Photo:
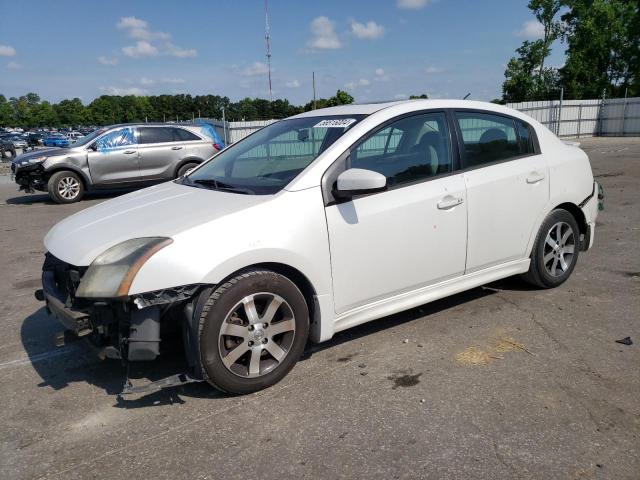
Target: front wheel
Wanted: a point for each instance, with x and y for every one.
(253, 329)
(555, 251)
(65, 187)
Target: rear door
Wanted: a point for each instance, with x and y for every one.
(115, 159)
(159, 152)
(507, 181)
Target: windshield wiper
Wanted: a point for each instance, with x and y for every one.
(218, 185)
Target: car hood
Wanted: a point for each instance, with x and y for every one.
(161, 211)
(49, 152)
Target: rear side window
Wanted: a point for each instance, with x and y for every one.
(182, 135)
(155, 134)
(408, 150)
(487, 138)
(526, 138)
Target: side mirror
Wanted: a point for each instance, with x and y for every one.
(358, 181)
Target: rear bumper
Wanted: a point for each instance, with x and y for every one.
(590, 208)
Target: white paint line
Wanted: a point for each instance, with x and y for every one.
(27, 360)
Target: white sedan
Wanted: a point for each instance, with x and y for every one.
(315, 224)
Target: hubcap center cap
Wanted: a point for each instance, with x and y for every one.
(258, 334)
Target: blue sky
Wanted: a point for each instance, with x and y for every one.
(376, 50)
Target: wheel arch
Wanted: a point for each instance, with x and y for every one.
(577, 213)
(86, 183)
(298, 278)
(184, 161)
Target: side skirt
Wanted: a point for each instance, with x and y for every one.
(415, 298)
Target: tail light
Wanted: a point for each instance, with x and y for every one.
(217, 146)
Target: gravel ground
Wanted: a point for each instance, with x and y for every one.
(498, 382)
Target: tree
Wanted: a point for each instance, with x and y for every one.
(7, 117)
(526, 77)
(603, 40)
(416, 97)
(340, 98)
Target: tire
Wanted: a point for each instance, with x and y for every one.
(246, 356)
(549, 256)
(186, 167)
(65, 187)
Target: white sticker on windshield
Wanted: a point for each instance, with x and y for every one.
(335, 123)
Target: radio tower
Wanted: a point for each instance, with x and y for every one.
(267, 38)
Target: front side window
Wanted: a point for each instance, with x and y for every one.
(487, 138)
(408, 150)
(266, 161)
(155, 135)
(116, 139)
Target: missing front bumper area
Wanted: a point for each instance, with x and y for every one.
(129, 329)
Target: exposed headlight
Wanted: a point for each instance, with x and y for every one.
(112, 272)
(36, 159)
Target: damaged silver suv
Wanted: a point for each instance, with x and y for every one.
(119, 156)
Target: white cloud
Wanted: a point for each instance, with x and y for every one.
(7, 51)
(146, 81)
(433, 70)
(363, 82)
(131, 22)
(148, 42)
(176, 51)
(292, 84)
(174, 81)
(107, 61)
(369, 30)
(256, 68)
(379, 72)
(324, 35)
(123, 91)
(14, 66)
(412, 4)
(142, 48)
(531, 29)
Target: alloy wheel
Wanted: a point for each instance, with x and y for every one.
(559, 249)
(68, 188)
(256, 335)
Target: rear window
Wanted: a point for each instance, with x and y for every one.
(182, 135)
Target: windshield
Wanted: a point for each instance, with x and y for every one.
(89, 138)
(265, 162)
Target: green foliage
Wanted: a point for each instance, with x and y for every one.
(340, 98)
(603, 52)
(416, 97)
(29, 111)
(603, 39)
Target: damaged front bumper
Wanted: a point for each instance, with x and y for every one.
(130, 328)
(30, 177)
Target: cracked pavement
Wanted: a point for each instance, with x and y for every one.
(366, 404)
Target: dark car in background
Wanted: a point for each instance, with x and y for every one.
(119, 156)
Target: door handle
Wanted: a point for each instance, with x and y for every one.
(176, 148)
(449, 202)
(534, 177)
(129, 152)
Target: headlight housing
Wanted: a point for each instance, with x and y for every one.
(40, 159)
(111, 274)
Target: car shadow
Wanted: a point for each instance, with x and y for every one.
(77, 361)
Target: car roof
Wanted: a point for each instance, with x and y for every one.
(152, 124)
(410, 105)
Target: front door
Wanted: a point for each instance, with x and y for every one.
(507, 182)
(413, 234)
(115, 160)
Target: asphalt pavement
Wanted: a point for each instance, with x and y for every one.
(503, 381)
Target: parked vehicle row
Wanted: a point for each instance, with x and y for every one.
(120, 156)
(310, 226)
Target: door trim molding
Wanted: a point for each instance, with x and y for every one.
(415, 298)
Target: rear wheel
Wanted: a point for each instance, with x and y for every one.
(186, 167)
(65, 187)
(253, 330)
(555, 251)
